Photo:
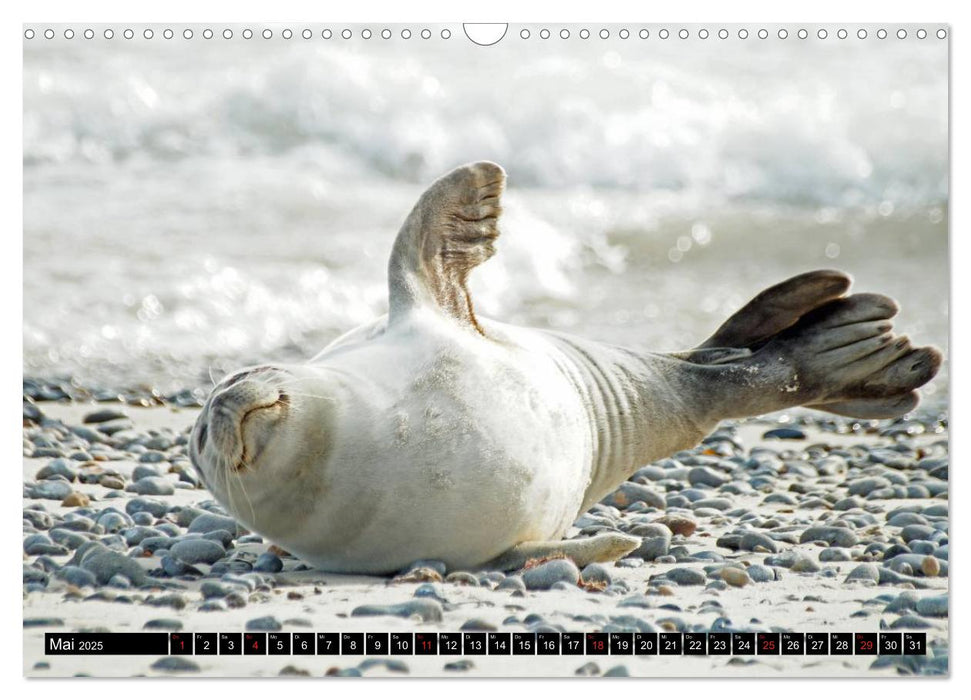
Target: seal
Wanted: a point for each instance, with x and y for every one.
(434, 433)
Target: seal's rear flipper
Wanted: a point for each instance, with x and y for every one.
(802, 342)
(777, 308)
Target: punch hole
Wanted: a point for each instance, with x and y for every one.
(288, 33)
(643, 34)
(941, 34)
(564, 33)
(743, 33)
(584, 33)
(168, 34)
(89, 34)
(703, 34)
(49, 34)
(841, 34)
(623, 33)
(346, 34)
(723, 33)
(247, 33)
(148, 34)
(921, 34)
(783, 34)
(763, 34)
(861, 34)
(326, 34)
(207, 34)
(604, 34)
(187, 34)
(664, 33)
(901, 33)
(426, 34)
(29, 34)
(881, 34)
(683, 34)
(544, 34)
(129, 34)
(267, 34)
(405, 33)
(306, 34)
(822, 34)
(802, 34)
(227, 34)
(446, 34)
(68, 33)
(365, 33)
(385, 33)
(488, 33)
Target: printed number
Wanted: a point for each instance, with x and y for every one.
(451, 645)
(230, 645)
(841, 645)
(475, 644)
(719, 645)
(695, 644)
(327, 643)
(205, 644)
(303, 645)
(669, 644)
(792, 644)
(352, 644)
(743, 644)
(866, 645)
(573, 643)
(768, 644)
(817, 644)
(621, 643)
(912, 644)
(891, 644)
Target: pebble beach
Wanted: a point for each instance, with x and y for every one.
(796, 522)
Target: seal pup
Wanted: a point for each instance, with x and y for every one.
(434, 433)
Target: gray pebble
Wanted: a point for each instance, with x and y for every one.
(864, 572)
(152, 486)
(543, 577)
(629, 493)
(477, 624)
(103, 416)
(427, 609)
(195, 551)
(512, 583)
(56, 490)
(207, 522)
(706, 477)
(267, 623)
(175, 664)
(77, 576)
(760, 573)
(863, 487)
(756, 541)
(684, 576)
(653, 547)
(269, 563)
(784, 434)
(834, 554)
(833, 536)
(163, 623)
(934, 606)
(596, 573)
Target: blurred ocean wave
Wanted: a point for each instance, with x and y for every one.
(190, 207)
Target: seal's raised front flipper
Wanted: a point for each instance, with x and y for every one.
(450, 230)
(809, 345)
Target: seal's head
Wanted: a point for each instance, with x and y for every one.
(238, 444)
